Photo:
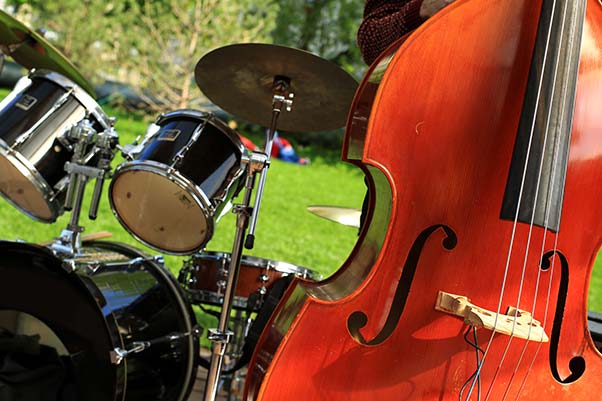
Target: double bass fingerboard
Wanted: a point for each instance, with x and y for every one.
(535, 187)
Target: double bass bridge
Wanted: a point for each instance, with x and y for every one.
(515, 322)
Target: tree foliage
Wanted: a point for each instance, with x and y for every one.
(154, 45)
(324, 27)
(82, 30)
(149, 44)
(165, 40)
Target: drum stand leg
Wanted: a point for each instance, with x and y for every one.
(222, 336)
(84, 135)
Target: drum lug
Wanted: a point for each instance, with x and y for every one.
(221, 286)
(177, 160)
(223, 269)
(186, 276)
(119, 354)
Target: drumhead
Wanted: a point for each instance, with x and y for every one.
(160, 209)
(22, 187)
(117, 297)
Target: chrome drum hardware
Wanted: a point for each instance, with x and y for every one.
(178, 181)
(34, 147)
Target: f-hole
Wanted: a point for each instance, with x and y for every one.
(577, 363)
(357, 320)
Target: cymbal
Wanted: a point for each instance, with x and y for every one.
(31, 50)
(342, 215)
(239, 78)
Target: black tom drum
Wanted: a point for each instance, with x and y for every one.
(179, 182)
(33, 150)
(118, 326)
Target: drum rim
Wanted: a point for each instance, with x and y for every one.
(174, 176)
(177, 292)
(25, 167)
(213, 298)
(87, 101)
(271, 264)
(205, 116)
(111, 331)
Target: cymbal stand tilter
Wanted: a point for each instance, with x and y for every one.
(222, 336)
(83, 135)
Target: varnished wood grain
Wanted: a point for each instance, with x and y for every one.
(437, 147)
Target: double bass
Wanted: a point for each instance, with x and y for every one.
(481, 137)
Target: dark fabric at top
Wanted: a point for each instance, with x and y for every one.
(384, 22)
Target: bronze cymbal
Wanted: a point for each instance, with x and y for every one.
(31, 50)
(239, 78)
(342, 215)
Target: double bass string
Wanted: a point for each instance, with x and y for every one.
(522, 386)
(477, 374)
(550, 280)
(546, 224)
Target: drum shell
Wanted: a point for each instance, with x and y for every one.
(34, 117)
(207, 275)
(211, 161)
(207, 169)
(107, 303)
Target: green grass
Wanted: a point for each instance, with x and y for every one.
(285, 231)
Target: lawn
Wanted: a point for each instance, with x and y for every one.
(285, 231)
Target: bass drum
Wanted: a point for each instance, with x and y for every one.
(118, 324)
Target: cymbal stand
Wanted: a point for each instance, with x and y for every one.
(83, 135)
(283, 99)
(258, 161)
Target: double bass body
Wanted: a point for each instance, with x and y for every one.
(436, 135)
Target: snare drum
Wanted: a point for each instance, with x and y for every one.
(33, 150)
(205, 276)
(120, 324)
(179, 181)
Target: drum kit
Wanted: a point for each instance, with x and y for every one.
(120, 326)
